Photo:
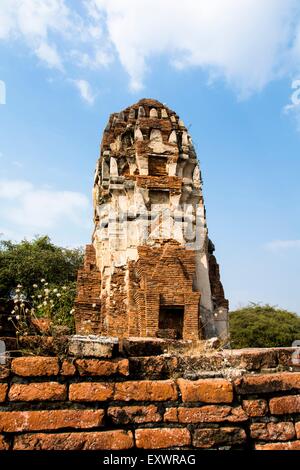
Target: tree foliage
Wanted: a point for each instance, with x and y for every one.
(263, 326)
(27, 262)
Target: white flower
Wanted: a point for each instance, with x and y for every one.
(17, 317)
(46, 291)
(73, 310)
(34, 285)
(39, 296)
(40, 306)
(45, 303)
(64, 287)
(22, 305)
(58, 295)
(46, 283)
(17, 290)
(9, 318)
(16, 301)
(43, 280)
(54, 290)
(26, 310)
(51, 302)
(19, 285)
(12, 312)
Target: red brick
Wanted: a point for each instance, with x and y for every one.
(3, 391)
(18, 421)
(206, 390)
(255, 408)
(268, 383)
(285, 405)
(297, 427)
(35, 366)
(146, 390)
(205, 438)
(100, 367)
(134, 414)
(4, 445)
(106, 440)
(37, 391)
(163, 438)
(272, 431)
(67, 368)
(294, 445)
(91, 391)
(205, 414)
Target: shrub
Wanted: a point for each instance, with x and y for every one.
(263, 326)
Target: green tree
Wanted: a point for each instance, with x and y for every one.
(263, 326)
(27, 262)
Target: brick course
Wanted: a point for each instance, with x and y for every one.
(104, 404)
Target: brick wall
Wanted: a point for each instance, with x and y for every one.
(238, 399)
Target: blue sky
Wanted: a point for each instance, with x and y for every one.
(228, 68)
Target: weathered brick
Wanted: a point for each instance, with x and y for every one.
(206, 390)
(37, 391)
(101, 367)
(163, 438)
(146, 390)
(90, 391)
(134, 414)
(3, 391)
(4, 445)
(153, 367)
(255, 408)
(297, 428)
(35, 366)
(205, 438)
(67, 368)
(205, 414)
(18, 421)
(285, 405)
(268, 383)
(251, 358)
(4, 371)
(105, 440)
(272, 431)
(294, 445)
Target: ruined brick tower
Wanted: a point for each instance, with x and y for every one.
(150, 270)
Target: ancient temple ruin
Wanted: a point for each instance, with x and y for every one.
(150, 270)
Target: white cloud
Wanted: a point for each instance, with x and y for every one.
(246, 43)
(26, 209)
(283, 245)
(49, 55)
(85, 90)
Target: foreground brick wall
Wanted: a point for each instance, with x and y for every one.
(241, 399)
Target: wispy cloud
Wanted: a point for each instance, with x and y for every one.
(85, 90)
(283, 245)
(26, 209)
(262, 38)
(49, 55)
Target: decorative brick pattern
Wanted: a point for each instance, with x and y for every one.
(148, 168)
